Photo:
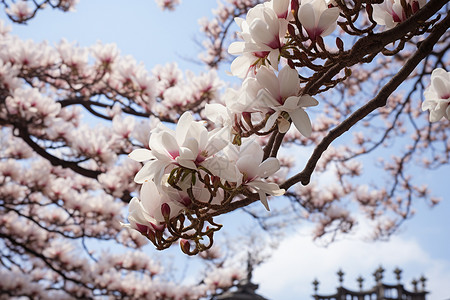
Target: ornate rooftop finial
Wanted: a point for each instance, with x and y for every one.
(316, 286)
(360, 282)
(414, 282)
(423, 280)
(398, 273)
(378, 274)
(340, 274)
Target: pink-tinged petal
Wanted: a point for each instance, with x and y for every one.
(268, 167)
(281, 8)
(447, 112)
(269, 80)
(301, 121)
(307, 101)
(306, 16)
(327, 21)
(141, 155)
(170, 145)
(289, 82)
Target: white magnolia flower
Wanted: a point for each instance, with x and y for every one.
(263, 32)
(317, 18)
(189, 146)
(281, 95)
(146, 213)
(391, 12)
(253, 170)
(437, 95)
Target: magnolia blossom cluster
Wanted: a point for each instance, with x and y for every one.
(392, 12)
(22, 10)
(184, 168)
(437, 96)
(193, 167)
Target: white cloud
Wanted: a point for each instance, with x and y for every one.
(292, 268)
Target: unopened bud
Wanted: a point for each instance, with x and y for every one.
(185, 246)
(340, 44)
(165, 210)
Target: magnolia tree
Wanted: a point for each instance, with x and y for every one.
(174, 152)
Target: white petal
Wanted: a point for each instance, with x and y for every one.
(289, 82)
(268, 167)
(269, 80)
(307, 101)
(272, 119)
(236, 48)
(150, 170)
(141, 155)
(263, 199)
(291, 103)
(440, 86)
(327, 21)
(283, 125)
(301, 121)
(306, 15)
(248, 165)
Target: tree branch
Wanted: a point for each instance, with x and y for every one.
(424, 49)
(55, 161)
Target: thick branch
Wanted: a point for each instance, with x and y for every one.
(55, 161)
(375, 43)
(424, 49)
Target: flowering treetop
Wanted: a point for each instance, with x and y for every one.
(311, 71)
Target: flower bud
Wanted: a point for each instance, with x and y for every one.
(165, 211)
(185, 246)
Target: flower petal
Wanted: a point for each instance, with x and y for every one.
(141, 155)
(301, 121)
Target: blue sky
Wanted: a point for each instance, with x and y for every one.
(141, 29)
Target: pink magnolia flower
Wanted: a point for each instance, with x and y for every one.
(263, 32)
(19, 11)
(189, 146)
(281, 95)
(317, 18)
(253, 170)
(147, 213)
(437, 95)
(391, 12)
